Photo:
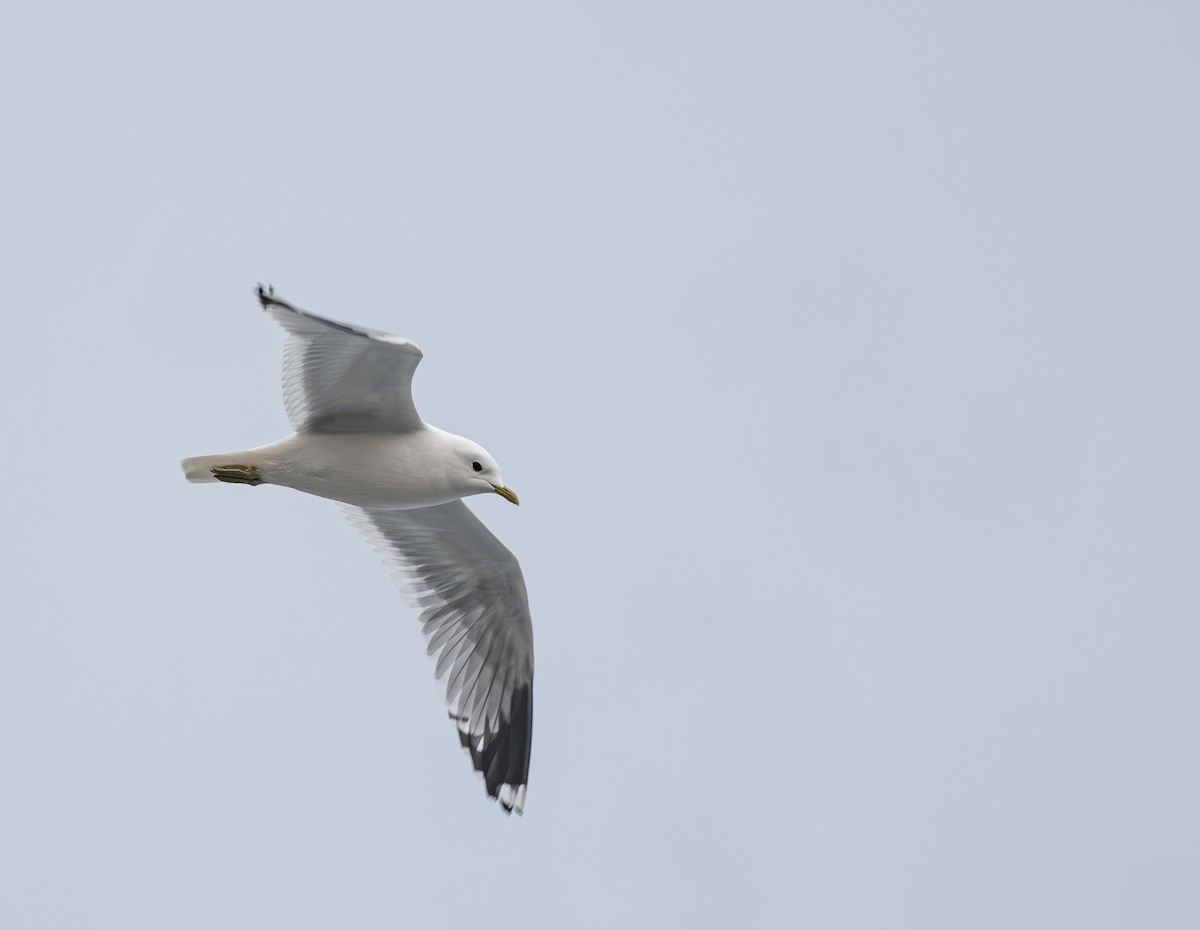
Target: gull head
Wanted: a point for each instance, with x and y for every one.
(474, 471)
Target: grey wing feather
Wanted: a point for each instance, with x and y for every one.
(475, 619)
(340, 378)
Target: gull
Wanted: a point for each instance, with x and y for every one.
(358, 440)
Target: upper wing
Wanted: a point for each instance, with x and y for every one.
(476, 621)
(339, 378)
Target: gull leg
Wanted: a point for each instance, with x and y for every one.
(238, 474)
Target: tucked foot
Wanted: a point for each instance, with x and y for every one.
(238, 474)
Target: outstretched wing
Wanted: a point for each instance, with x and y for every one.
(339, 378)
(475, 615)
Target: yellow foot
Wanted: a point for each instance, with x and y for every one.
(238, 474)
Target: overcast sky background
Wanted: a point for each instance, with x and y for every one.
(844, 357)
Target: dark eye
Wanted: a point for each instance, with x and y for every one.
(477, 466)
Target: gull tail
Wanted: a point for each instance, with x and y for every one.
(231, 467)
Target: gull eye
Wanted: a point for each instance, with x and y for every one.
(477, 466)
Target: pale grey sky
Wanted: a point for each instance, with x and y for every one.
(845, 360)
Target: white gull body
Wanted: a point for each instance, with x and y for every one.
(388, 471)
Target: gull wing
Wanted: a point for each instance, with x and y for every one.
(475, 618)
(339, 378)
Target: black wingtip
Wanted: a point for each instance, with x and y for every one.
(503, 758)
(266, 295)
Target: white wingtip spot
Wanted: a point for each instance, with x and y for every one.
(512, 801)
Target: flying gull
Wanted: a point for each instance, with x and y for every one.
(358, 440)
